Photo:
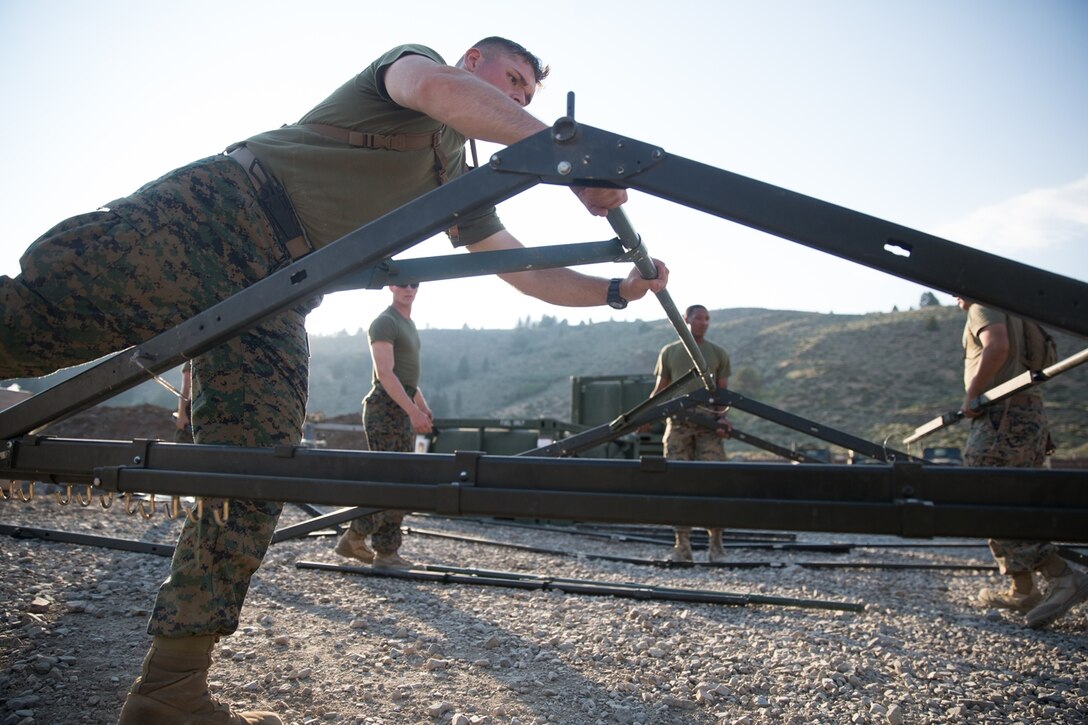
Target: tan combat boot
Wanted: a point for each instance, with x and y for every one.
(391, 560)
(1021, 596)
(353, 545)
(715, 552)
(172, 689)
(681, 552)
(1066, 587)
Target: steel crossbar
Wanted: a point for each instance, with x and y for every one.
(904, 499)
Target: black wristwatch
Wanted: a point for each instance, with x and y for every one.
(614, 300)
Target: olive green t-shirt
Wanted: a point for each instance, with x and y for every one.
(673, 362)
(336, 188)
(978, 319)
(393, 327)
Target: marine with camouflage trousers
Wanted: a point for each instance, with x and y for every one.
(183, 426)
(1012, 433)
(110, 279)
(393, 412)
(687, 441)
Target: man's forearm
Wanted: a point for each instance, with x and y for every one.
(560, 286)
(393, 387)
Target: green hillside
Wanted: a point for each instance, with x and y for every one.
(876, 376)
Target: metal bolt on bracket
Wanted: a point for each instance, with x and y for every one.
(564, 168)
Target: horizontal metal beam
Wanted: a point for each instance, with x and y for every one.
(905, 499)
(457, 266)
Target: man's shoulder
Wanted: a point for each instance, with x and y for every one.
(720, 349)
(980, 317)
(397, 52)
(667, 347)
(383, 325)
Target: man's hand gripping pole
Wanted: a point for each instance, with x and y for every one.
(632, 242)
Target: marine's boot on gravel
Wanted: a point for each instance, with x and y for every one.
(172, 689)
(1021, 596)
(353, 545)
(681, 551)
(391, 560)
(1066, 587)
(715, 552)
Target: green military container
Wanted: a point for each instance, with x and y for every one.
(496, 436)
(599, 399)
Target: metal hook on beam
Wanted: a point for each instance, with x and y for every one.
(148, 511)
(196, 511)
(175, 507)
(221, 518)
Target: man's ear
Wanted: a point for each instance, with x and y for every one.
(472, 57)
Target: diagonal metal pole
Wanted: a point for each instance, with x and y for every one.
(711, 423)
(1023, 381)
(645, 265)
(303, 279)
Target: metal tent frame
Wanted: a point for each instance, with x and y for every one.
(903, 497)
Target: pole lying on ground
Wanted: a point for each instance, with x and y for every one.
(626, 590)
(105, 542)
(1023, 381)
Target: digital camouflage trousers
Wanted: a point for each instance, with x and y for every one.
(1012, 436)
(684, 441)
(386, 428)
(110, 279)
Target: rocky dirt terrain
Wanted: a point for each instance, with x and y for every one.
(342, 647)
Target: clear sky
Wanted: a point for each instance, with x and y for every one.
(963, 118)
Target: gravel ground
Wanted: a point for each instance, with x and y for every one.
(339, 647)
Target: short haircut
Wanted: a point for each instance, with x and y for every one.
(688, 311)
(540, 70)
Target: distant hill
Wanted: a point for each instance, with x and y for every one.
(876, 376)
